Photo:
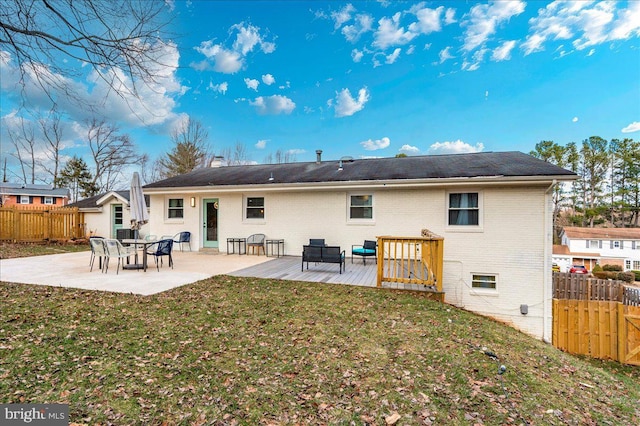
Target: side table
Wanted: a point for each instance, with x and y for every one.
(242, 245)
(275, 245)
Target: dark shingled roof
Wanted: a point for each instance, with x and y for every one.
(507, 164)
(91, 201)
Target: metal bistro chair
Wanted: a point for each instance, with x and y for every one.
(181, 238)
(159, 250)
(114, 248)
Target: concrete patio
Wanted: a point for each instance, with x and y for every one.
(72, 270)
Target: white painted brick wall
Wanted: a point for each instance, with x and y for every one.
(511, 243)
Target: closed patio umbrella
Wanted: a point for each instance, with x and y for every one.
(137, 204)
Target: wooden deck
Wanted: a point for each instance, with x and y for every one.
(289, 268)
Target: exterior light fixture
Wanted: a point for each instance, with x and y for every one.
(193, 201)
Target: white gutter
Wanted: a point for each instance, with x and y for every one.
(357, 185)
(547, 309)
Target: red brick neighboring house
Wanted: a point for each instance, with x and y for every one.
(34, 196)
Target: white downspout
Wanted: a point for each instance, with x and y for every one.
(548, 251)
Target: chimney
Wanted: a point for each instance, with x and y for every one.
(318, 156)
(217, 161)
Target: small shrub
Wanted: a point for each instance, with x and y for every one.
(626, 276)
(596, 269)
(616, 268)
(637, 274)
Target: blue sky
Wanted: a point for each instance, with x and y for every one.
(377, 78)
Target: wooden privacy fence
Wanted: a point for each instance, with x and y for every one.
(412, 260)
(585, 322)
(35, 224)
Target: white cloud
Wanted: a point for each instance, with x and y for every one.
(445, 55)
(231, 60)
(261, 144)
(503, 52)
(633, 127)
(428, 19)
(252, 83)
(343, 15)
(628, 22)
(389, 33)
(224, 60)
(221, 88)
(296, 151)
(574, 119)
(391, 58)
(456, 147)
(483, 19)
(346, 106)
(411, 50)
(356, 55)
(450, 16)
(273, 105)
(371, 145)
(591, 52)
(268, 79)
(409, 150)
(588, 23)
(363, 24)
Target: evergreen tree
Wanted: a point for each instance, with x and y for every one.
(189, 150)
(76, 176)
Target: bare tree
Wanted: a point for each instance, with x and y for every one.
(111, 152)
(280, 157)
(47, 39)
(52, 129)
(24, 142)
(237, 155)
(190, 150)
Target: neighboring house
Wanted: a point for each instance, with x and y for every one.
(106, 213)
(612, 246)
(493, 210)
(12, 194)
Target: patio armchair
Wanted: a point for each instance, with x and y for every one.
(97, 250)
(256, 241)
(181, 238)
(160, 249)
(365, 250)
(114, 248)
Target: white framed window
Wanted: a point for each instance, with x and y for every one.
(627, 264)
(635, 245)
(615, 244)
(361, 207)
(254, 208)
(24, 199)
(636, 265)
(594, 243)
(484, 282)
(463, 209)
(175, 208)
(48, 200)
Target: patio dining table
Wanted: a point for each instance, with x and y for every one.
(136, 243)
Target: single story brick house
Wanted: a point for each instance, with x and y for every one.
(32, 196)
(492, 208)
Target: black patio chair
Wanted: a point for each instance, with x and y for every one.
(159, 250)
(365, 250)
